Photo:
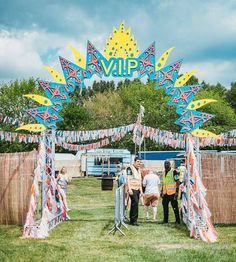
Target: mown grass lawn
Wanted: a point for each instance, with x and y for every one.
(85, 237)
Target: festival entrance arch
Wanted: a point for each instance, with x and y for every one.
(121, 57)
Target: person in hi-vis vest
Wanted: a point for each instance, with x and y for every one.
(134, 184)
(169, 192)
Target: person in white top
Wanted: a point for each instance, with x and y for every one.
(152, 193)
(182, 173)
(62, 181)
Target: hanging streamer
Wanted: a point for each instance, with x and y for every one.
(73, 147)
(10, 120)
(196, 213)
(82, 136)
(161, 137)
(54, 204)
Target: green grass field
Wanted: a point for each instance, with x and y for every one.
(85, 237)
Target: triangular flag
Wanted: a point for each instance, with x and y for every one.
(147, 62)
(46, 115)
(183, 95)
(167, 76)
(192, 119)
(93, 63)
(55, 92)
(74, 75)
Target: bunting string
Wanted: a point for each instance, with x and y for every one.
(10, 120)
(232, 133)
(73, 147)
(19, 137)
(222, 141)
(161, 137)
(101, 143)
(82, 136)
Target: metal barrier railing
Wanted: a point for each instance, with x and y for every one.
(119, 211)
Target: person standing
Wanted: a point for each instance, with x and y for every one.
(151, 183)
(144, 172)
(182, 173)
(62, 181)
(134, 185)
(122, 176)
(169, 192)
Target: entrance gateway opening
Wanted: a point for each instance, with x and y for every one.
(121, 57)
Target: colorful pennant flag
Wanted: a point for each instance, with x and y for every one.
(166, 77)
(192, 119)
(55, 92)
(182, 96)
(147, 62)
(45, 115)
(94, 58)
(74, 75)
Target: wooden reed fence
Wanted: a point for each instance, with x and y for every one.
(219, 177)
(16, 177)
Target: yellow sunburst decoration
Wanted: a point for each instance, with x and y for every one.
(121, 44)
(40, 99)
(185, 77)
(78, 57)
(32, 127)
(56, 75)
(162, 60)
(204, 133)
(199, 103)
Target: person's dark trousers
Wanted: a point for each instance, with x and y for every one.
(165, 202)
(181, 193)
(134, 206)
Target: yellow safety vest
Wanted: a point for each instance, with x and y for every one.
(169, 184)
(135, 179)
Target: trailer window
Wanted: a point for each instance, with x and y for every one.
(113, 161)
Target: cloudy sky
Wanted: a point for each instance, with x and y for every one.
(34, 33)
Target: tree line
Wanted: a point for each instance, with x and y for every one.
(107, 104)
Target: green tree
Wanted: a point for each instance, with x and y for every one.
(107, 110)
(12, 102)
(231, 96)
(218, 89)
(157, 113)
(225, 117)
(105, 106)
(75, 117)
(193, 81)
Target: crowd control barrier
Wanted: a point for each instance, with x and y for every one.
(119, 211)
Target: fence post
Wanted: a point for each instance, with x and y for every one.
(122, 206)
(188, 178)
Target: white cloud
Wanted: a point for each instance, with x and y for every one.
(213, 72)
(203, 33)
(21, 52)
(17, 57)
